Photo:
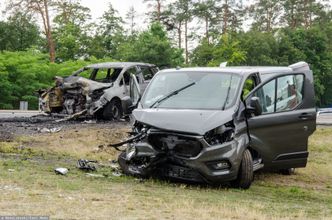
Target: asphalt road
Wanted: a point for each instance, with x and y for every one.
(17, 113)
(322, 119)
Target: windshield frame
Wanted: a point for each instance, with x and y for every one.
(230, 105)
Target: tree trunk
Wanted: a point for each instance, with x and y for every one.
(207, 29)
(158, 10)
(179, 34)
(49, 37)
(225, 18)
(186, 39)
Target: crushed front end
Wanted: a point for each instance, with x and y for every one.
(209, 158)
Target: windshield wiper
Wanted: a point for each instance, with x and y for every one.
(229, 89)
(172, 94)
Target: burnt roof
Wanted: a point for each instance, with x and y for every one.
(117, 65)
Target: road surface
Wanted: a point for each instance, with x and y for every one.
(322, 119)
(17, 113)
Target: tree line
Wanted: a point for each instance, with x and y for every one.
(58, 33)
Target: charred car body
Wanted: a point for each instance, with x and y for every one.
(222, 124)
(99, 89)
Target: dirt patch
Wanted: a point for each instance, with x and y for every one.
(6, 136)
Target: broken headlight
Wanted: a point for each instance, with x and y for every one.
(221, 134)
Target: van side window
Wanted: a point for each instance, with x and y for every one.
(289, 92)
(266, 95)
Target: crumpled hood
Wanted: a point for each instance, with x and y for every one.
(183, 120)
(86, 84)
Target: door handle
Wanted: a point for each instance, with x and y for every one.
(305, 116)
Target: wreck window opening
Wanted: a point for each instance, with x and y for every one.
(103, 75)
(147, 73)
(87, 73)
(126, 79)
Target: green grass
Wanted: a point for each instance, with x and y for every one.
(29, 186)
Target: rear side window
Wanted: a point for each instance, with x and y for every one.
(281, 94)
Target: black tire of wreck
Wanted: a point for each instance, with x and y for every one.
(110, 108)
(246, 173)
(123, 163)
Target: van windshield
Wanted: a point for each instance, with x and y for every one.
(207, 90)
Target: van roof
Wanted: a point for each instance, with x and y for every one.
(246, 70)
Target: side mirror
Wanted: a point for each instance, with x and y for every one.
(254, 106)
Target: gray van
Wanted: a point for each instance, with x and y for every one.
(221, 124)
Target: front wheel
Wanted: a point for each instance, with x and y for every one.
(113, 110)
(246, 173)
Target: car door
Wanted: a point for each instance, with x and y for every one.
(280, 134)
(145, 74)
(134, 90)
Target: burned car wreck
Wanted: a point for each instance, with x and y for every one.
(101, 90)
(221, 124)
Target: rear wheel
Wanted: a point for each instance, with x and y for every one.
(113, 110)
(246, 174)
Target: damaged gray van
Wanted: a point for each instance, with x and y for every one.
(221, 124)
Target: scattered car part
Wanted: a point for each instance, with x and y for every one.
(86, 165)
(94, 175)
(61, 170)
(219, 128)
(49, 130)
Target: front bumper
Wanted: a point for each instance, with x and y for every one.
(213, 164)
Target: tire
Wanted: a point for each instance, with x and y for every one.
(246, 173)
(113, 110)
(123, 163)
(289, 171)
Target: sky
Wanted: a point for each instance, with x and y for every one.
(98, 7)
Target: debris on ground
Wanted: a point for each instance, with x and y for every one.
(10, 188)
(89, 122)
(117, 173)
(49, 130)
(86, 165)
(74, 116)
(94, 175)
(61, 170)
(6, 136)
